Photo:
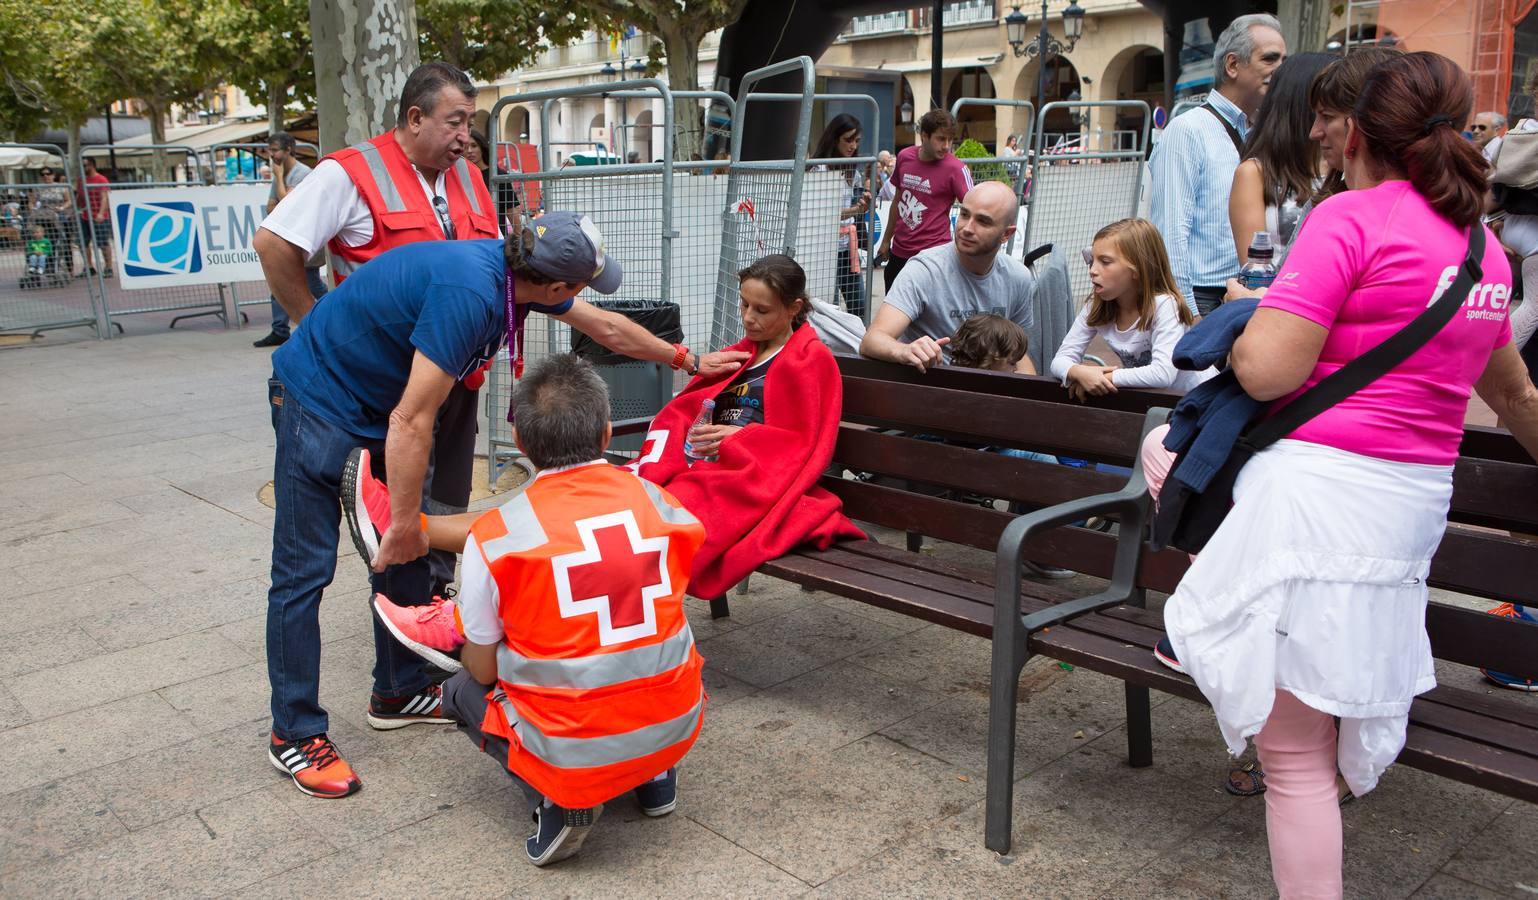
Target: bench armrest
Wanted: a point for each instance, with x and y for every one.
(1131, 504)
(630, 426)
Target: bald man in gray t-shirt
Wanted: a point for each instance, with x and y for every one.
(944, 286)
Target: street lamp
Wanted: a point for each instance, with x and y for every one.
(1044, 45)
(626, 69)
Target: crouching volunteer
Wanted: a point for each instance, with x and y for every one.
(372, 366)
(572, 608)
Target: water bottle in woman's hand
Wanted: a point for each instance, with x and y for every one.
(1260, 271)
(706, 417)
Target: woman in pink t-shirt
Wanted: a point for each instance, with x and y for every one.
(1308, 604)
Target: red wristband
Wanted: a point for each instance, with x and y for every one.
(680, 356)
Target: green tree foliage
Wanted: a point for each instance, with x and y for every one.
(972, 149)
(49, 70)
(489, 38)
(263, 48)
(681, 25)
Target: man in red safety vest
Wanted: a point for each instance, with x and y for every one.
(409, 184)
(580, 671)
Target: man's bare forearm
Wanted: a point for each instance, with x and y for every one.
(407, 445)
(283, 265)
(880, 345)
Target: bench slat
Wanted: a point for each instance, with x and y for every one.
(1470, 762)
(1475, 727)
(897, 596)
(1072, 430)
(987, 474)
(1495, 494)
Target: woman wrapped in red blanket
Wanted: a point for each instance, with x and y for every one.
(753, 482)
(750, 476)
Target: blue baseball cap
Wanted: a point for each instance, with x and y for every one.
(569, 247)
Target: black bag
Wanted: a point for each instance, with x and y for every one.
(1514, 201)
(1187, 519)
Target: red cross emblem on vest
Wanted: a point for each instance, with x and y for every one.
(617, 575)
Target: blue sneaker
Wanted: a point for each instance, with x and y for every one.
(1512, 611)
(559, 833)
(659, 796)
(1164, 652)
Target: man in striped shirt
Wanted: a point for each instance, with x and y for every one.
(1192, 166)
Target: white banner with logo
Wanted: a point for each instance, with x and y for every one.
(193, 235)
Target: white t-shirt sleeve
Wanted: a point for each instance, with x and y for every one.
(324, 205)
(478, 598)
(1160, 371)
(1075, 342)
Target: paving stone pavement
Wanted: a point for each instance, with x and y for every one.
(842, 755)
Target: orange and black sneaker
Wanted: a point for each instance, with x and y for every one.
(425, 706)
(315, 765)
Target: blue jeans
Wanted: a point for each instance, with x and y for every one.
(850, 284)
(317, 285)
(307, 487)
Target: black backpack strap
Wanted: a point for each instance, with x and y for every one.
(1233, 133)
(1378, 361)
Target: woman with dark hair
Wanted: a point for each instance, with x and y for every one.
(1308, 604)
(1281, 167)
(1332, 97)
(840, 140)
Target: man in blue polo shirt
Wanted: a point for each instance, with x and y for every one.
(370, 367)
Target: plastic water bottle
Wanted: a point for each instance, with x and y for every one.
(706, 417)
(1260, 271)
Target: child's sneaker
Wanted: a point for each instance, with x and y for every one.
(432, 631)
(366, 503)
(1512, 611)
(659, 796)
(1164, 652)
(559, 833)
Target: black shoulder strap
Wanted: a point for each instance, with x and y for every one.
(1378, 361)
(1233, 133)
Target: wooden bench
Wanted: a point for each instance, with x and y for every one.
(1485, 739)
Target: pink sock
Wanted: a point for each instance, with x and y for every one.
(1298, 751)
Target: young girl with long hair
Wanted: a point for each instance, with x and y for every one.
(1134, 306)
(1282, 167)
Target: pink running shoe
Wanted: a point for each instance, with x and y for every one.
(366, 503)
(432, 631)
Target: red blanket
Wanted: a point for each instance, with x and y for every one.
(760, 499)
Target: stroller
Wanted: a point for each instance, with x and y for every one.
(55, 270)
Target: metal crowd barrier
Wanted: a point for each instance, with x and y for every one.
(42, 291)
(191, 301)
(1075, 194)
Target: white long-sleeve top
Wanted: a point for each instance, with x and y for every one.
(1147, 355)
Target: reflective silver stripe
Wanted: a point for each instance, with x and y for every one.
(463, 168)
(584, 753)
(675, 515)
(382, 179)
(597, 671)
(341, 265)
(523, 529)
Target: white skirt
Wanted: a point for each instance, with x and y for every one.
(1316, 584)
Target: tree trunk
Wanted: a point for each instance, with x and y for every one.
(1305, 23)
(72, 150)
(157, 117)
(364, 50)
(277, 94)
(683, 50)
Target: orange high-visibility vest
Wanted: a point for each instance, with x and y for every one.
(598, 680)
(403, 214)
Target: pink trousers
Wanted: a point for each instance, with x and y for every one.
(1297, 751)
